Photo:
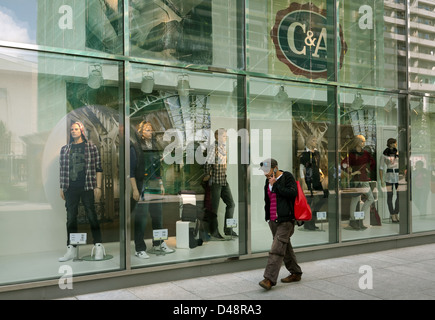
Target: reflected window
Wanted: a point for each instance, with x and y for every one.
(194, 31)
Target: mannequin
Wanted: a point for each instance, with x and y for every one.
(311, 177)
(358, 165)
(389, 174)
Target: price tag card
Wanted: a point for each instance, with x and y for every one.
(77, 238)
(160, 234)
(359, 215)
(321, 215)
(231, 223)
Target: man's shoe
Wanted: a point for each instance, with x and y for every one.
(163, 248)
(71, 253)
(266, 284)
(141, 254)
(292, 278)
(100, 252)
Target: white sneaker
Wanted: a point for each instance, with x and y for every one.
(100, 252)
(71, 253)
(164, 248)
(142, 255)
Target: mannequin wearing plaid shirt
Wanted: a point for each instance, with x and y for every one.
(80, 180)
(215, 170)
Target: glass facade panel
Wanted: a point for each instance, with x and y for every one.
(375, 34)
(183, 110)
(293, 40)
(91, 25)
(373, 192)
(422, 163)
(201, 32)
(41, 97)
(295, 125)
(422, 46)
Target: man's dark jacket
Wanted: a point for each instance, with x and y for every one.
(286, 191)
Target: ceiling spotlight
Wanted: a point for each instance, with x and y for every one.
(183, 85)
(282, 95)
(147, 82)
(95, 79)
(357, 102)
(390, 105)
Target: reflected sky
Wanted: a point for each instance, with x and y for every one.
(18, 20)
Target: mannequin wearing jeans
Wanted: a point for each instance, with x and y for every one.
(389, 173)
(147, 185)
(358, 165)
(80, 179)
(215, 173)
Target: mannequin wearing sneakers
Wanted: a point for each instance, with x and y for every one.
(137, 171)
(80, 180)
(147, 185)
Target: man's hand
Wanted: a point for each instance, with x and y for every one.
(272, 179)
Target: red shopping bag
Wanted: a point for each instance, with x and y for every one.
(302, 209)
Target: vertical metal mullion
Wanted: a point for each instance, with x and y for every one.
(242, 123)
(125, 218)
(408, 146)
(332, 99)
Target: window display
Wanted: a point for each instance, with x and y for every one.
(38, 125)
(184, 112)
(367, 120)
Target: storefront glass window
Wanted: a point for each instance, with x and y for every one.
(173, 119)
(373, 188)
(91, 25)
(422, 163)
(294, 125)
(293, 40)
(376, 48)
(41, 96)
(421, 47)
(191, 31)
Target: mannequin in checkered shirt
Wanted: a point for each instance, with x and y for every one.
(215, 173)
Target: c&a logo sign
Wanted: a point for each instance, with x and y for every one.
(300, 39)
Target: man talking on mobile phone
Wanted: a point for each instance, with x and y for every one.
(280, 191)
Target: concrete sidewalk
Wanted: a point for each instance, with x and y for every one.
(397, 274)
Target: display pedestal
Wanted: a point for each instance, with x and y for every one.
(182, 232)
